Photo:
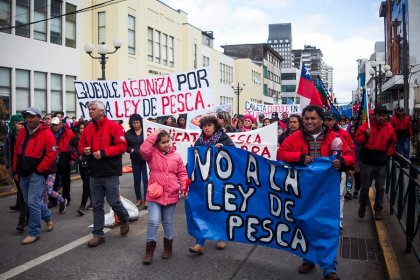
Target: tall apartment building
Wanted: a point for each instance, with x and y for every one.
(311, 57)
(269, 60)
(280, 39)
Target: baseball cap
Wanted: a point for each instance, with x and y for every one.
(55, 120)
(329, 115)
(275, 116)
(32, 111)
(261, 116)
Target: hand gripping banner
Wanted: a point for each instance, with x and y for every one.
(242, 197)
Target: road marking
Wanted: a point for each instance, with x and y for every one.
(26, 266)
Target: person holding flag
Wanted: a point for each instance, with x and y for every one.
(377, 140)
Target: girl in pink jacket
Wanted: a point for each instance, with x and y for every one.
(168, 170)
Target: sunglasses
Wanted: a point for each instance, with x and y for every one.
(220, 117)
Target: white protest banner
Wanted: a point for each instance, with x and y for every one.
(262, 141)
(193, 118)
(256, 109)
(149, 97)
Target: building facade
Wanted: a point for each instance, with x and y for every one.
(269, 60)
(280, 39)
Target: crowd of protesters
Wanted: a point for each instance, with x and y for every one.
(96, 146)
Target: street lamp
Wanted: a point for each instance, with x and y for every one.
(102, 51)
(380, 72)
(237, 89)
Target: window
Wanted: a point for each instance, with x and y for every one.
(131, 35)
(164, 49)
(22, 18)
(150, 44)
(70, 96)
(288, 76)
(101, 27)
(156, 50)
(40, 14)
(70, 25)
(5, 86)
(22, 90)
(5, 15)
(55, 28)
(40, 86)
(171, 51)
(56, 93)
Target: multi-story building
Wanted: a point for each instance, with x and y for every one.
(311, 57)
(267, 58)
(402, 38)
(39, 62)
(280, 39)
(39, 54)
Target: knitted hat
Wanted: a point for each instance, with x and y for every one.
(250, 117)
(13, 120)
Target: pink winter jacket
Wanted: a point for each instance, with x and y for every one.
(158, 163)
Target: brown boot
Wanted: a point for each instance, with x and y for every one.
(167, 248)
(96, 241)
(150, 249)
(124, 228)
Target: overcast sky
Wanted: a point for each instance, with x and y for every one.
(343, 30)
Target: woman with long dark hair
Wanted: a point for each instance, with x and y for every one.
(135, 138)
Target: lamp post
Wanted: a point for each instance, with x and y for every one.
(237, 89)
(102, 51)
(380, 72)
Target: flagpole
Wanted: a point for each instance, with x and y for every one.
(297, 81)
(367, 108)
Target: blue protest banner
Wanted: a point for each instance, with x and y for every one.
(242, 197)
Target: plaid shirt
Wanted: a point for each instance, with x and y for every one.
(314, 144)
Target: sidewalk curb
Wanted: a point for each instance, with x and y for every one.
(390, 259)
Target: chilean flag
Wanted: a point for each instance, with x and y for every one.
(306, 89)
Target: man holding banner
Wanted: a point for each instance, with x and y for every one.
(314, 141)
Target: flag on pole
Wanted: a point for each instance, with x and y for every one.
(366, 107)
(306, 89)
(326, 100)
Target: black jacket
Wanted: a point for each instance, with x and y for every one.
(133, 143)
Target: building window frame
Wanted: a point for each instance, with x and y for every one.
(156, 40)
(5, 16)
(71, 25)
(101, 27)
(6, 86)
(171, 51)
(40, 90)
(40, 14)
(22, 18)
(23, 87)
(56, 25)
(131, 35)
(56, 92)
(150, 44)
(71, 104)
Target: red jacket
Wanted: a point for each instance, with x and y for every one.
(108, 137)
(379, 146)
(295, 147)
(63, 144)
(176, 177)
(402, 126)
(34, 153)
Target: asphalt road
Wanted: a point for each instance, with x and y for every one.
(63, 254)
